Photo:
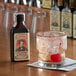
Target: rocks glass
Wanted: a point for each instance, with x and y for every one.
(51, 46)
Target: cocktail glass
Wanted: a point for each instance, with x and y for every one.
(51, 46)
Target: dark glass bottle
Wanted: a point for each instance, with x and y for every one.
(55, 17)
(61, 4)
(55, 5)
(34, 3)
(75, 4)
(19, 38)
(74, 24)
(9, 1)
(71, 2)
(21, 2)
(66, 6)
(66, 19)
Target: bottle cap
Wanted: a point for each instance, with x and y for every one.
(20, 17)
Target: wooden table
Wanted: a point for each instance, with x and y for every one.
(8, 68)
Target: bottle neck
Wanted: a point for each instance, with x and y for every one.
(21, 2)
(34, 3)
(10, 1)
(55, 2)
(66, 4)
(20, 24)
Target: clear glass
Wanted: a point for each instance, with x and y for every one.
(8, 23)
(9, 20)
(21, 2)
(34, 3)
(9, 1)
(2, 11)
(37, 21)
(51, 46)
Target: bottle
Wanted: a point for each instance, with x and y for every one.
(60, 4)
(71, 2)
(74, 24)
(75, 4)
(47, 3)
(21, 2)
(66, 19)
(9, 1)
(19, 38)
(34, 3)
(55, 17)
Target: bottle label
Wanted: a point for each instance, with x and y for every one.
(46, 3)
(66, 23)
(74, 25)
(55, 20)
(21, 46)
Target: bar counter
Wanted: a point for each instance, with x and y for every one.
(8, 68)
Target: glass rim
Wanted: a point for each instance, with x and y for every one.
(41, 34)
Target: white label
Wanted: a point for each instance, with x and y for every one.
(54, 20)
(74, 26)
(21, 46)
(66, 23)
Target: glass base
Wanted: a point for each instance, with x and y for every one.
(50, 64)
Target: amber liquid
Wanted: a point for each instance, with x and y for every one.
(20, 28)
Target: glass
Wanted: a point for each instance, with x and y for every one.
(37, 21)
(9, 1)
(9, 13)
(8, 23)
(51, 46)
(34, 3)
(28, 15)
(2, 10)
(21, 2)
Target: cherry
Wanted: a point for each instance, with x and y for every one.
(56, 57)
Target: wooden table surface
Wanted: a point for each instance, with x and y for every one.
(8, 68)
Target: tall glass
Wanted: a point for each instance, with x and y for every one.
(51, 47)
(8, 23)
(2, 11)
(37, 21)
(37, 25)
(9, 13)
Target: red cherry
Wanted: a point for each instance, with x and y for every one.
(55, 58)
